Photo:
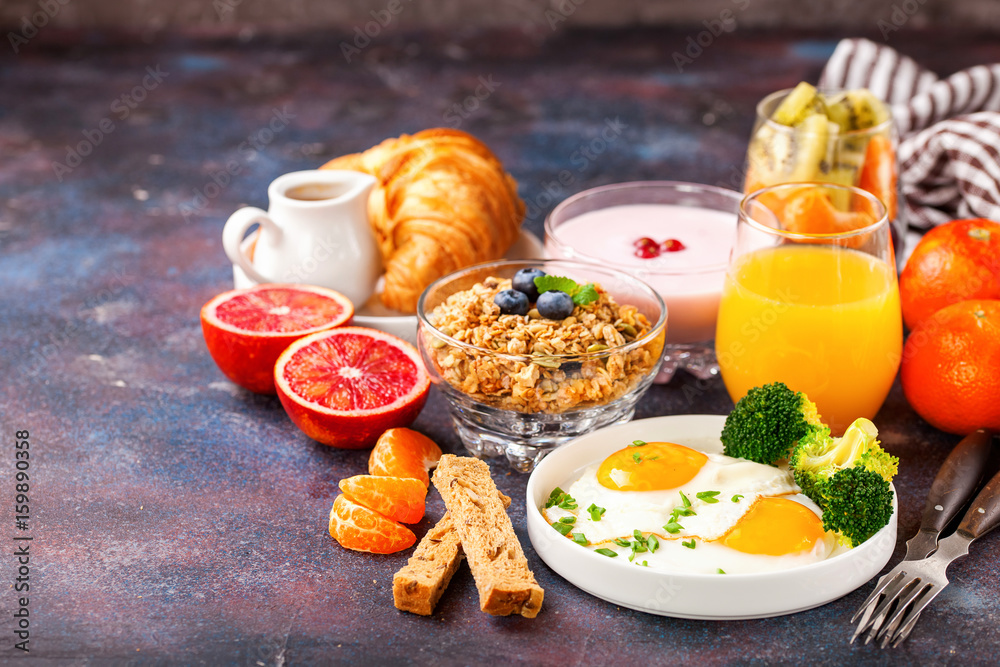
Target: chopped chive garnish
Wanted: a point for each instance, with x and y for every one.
(708, 496)
(567, 519)
(645, 564)
(673, 527)
(606, 552)
(580, 538)
(720, 571)
(652, 543)
(638, 548)
(563, 528)
(736, 498)
(652, 458)
(631, 556)
(561, 499)
(636, 457)
(638, 443)
(621, 542)
(684, 499)
(681, 511)
(596, 512)
(689, 545)
(555, 497)
(637, 534)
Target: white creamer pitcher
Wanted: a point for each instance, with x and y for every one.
(315, 232)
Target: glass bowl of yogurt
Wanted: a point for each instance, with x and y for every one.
(674, 236)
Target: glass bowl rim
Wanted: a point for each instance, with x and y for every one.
(655, 331)
(867, 229)
(766, 120)
(681, 186)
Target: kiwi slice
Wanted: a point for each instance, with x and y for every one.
(812, 139)
(803, 101)
(768, 152)
(856, 110)
(842, 174)
(802, 153)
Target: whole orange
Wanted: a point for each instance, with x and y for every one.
(954, 262)
(951, 367)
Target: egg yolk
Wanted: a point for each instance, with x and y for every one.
(654, 466)
(775, 527)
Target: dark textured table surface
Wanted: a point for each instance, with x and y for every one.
(177, 518)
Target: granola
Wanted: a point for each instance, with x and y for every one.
(526, 363)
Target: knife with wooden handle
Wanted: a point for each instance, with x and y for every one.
(956, 481)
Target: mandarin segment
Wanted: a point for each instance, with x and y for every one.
(360, 529)
(812, 212)
(398, 498)
(403, 452)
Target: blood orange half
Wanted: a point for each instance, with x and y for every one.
(345, 387)
(246, 330)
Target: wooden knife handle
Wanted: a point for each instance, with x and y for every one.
(957, 480)
(984, 513)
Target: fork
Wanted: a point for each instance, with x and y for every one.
(923, 580)
(958, 477)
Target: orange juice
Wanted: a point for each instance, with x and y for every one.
(823, 320)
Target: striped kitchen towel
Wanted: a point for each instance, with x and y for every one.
(949, 149)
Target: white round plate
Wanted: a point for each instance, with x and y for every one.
(686, 595)
(376, 316)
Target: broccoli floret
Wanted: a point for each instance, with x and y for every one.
(848, 477)
(856, 504)
(767, 422)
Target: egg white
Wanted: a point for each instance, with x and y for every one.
(649, 511)
(710, 557)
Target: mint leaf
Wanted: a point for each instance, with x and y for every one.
(584, 295)
(550, 283)
(581, 294)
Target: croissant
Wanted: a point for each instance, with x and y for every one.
(442, 202)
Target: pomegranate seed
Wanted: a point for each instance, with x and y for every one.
(647, 251)
(644, 241)
(672, 245)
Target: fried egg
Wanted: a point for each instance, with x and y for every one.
(707, 512)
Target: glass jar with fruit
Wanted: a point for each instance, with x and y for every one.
(842, 137)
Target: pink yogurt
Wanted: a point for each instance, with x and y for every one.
(690, 280)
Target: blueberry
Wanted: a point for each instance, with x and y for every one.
(524, 281)
(511, 302)
(555, 305)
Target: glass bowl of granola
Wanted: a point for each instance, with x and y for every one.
(531, 354)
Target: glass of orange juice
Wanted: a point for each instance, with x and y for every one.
(811, 299)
